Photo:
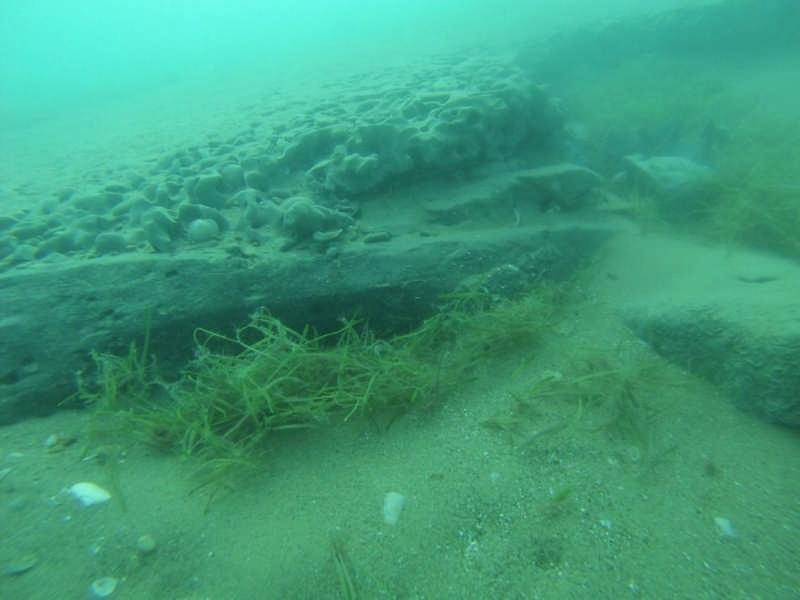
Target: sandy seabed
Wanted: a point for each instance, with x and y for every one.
(560, 506)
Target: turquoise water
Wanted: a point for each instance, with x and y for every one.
(60, 53)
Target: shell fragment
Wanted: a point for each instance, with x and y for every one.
(88, 493)
(393, 504)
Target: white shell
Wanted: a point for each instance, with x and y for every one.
(393, 504)
(103, 587)
(88, 493)
(725, 527)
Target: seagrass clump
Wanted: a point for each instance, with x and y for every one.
(241, 389)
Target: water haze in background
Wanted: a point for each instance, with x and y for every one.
(60, 55)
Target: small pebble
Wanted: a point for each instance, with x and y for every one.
(376, 237)
(146, 544)
(110, 243)
(202, 230)
(21, 564)
(56, 442)
(326, 236)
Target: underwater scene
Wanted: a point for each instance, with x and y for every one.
(400, 300)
